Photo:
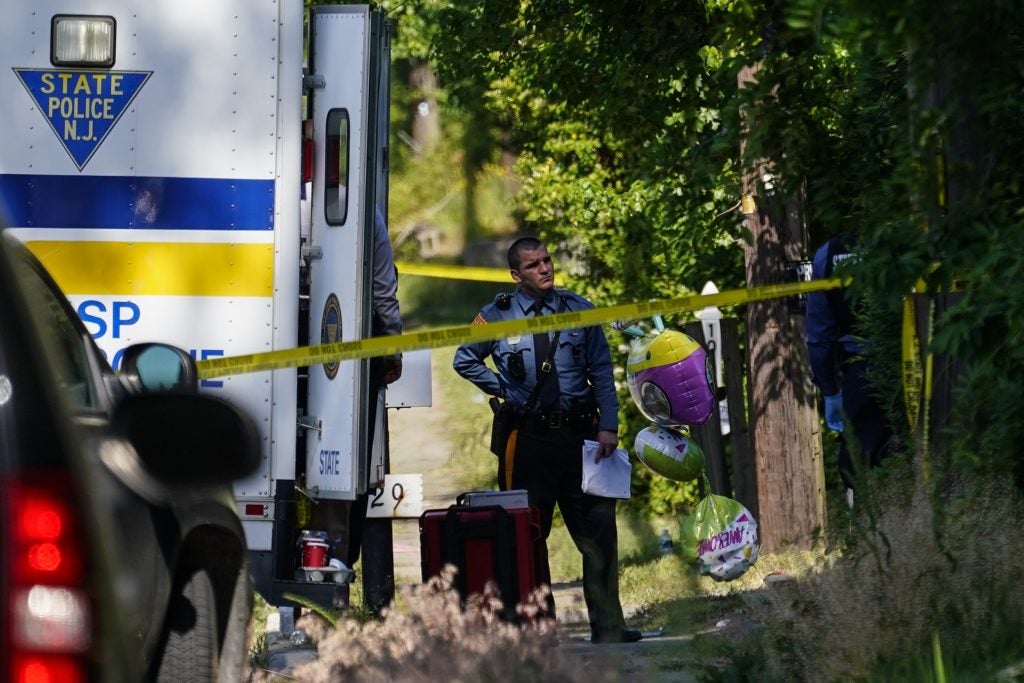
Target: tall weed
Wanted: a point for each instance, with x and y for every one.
(428, 635)
(915, 570)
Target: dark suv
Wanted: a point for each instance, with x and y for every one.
(121, 553)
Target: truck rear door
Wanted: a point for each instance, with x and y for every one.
(348, 67)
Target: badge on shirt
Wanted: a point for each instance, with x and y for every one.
(512, 341)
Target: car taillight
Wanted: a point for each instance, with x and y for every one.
(48, 609)
(48, 669)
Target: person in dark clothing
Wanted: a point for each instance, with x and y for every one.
(840, 369)
(576, 402)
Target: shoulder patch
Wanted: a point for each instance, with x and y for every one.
(479, 319)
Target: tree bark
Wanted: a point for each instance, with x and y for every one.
(783, 411)
(426, 122)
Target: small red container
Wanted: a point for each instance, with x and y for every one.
(314, 553)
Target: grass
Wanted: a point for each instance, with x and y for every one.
(436, 302)
(913, 571)
(471, 466)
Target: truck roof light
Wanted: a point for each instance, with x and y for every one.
(78, 40)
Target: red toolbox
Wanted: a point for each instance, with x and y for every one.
(486, 543)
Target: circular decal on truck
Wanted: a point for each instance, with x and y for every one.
(330, 331)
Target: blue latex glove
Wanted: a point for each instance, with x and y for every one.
(834, 411)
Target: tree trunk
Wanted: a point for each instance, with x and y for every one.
(426, 123)
(783, 413)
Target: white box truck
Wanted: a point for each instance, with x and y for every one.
(205, 173)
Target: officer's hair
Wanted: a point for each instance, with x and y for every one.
(519, 246)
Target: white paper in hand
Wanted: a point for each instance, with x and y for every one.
(609, 477)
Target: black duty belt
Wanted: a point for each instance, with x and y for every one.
(562, 419)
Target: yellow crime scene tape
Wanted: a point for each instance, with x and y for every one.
(917, 362)
(474, 273)
(913, 370)
(466, 334)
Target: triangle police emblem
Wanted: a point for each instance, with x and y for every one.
(82, 105)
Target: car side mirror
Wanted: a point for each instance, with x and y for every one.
(182, 441)
(158, 368)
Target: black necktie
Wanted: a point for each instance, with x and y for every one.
(549, 392)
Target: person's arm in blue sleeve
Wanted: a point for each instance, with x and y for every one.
(599, 361)
(601, 376)
(385, 279)
(386, 317)
(469, 363)
(822, 332)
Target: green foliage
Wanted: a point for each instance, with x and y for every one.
(897, 120)
(596, 100)
(926, 176)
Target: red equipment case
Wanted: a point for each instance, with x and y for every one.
(486, 543)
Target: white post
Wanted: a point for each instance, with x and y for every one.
(711, 320)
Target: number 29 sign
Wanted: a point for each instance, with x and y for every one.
(400, 497)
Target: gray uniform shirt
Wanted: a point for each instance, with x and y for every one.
(387, 319)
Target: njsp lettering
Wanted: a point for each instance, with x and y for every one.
(101, 319)
(98, 320)
(197, 354)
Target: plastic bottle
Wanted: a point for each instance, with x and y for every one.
(287, 620)
(665, 543)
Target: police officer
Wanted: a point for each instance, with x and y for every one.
(576, 401)
(840, 369)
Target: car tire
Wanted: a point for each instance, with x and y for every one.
(190, 645)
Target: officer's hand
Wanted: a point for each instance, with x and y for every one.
(392, 366)
(607, 442)
(834, 411)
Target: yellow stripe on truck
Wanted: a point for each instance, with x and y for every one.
(160, 268)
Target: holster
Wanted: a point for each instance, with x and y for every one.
(505, 420)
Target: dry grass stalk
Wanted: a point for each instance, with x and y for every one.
(910, 575)
(427, 635)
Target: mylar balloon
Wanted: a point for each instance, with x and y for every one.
(720, 537)
(669, 453)
(669, 378)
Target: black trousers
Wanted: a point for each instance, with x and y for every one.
(549, 465)
(873, 438)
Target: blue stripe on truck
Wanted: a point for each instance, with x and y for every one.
(123, 202)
